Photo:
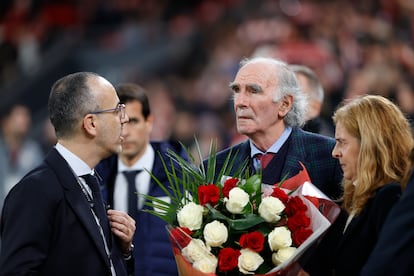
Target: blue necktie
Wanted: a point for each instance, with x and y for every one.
(132, 192)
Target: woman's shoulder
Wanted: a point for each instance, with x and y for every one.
(387, 195)
(384, 200)
(389, 190)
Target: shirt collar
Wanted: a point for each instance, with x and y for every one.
(145, 162)
(78, 166)
(276, 145)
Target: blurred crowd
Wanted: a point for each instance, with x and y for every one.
(185, 53)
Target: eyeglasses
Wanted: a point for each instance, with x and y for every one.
(120, 109)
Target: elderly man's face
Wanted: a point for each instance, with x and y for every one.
(256, 113)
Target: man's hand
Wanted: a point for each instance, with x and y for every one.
(123, 226)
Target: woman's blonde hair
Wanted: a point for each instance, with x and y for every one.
(385, 145)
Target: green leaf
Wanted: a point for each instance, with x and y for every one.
(249, 220)
(215, 214)
(160, 208)
(246, 223)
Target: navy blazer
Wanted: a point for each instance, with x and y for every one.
(313, 150)
(153, 251)
(47, 227)
(344, 254)
(394, 251)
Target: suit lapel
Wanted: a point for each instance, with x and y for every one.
(295, 154)
(243, 154)
(161, 151)
(157, 166)
(76, 199)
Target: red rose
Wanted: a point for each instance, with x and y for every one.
(253, 240)
(181, 235)
(208, 194)
(280, 194)
(228, 259)
(300, 235)
(298, 220)
(294, 205)
(228, 185)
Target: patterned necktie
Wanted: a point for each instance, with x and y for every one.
(132, 192)
(98, 205)
(264, 159)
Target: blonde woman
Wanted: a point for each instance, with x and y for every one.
(373, 145)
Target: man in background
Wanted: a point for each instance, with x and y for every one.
(312, 88)
(18, 152)
(127, 174)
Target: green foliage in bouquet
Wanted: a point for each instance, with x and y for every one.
(184, 184)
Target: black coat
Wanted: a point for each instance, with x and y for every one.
(394, 252)
(344, 254)
(47, 227)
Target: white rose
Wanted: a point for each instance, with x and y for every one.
(249, 261)
(237, 200)
(207, 264)
(270, 208)
(279, 238)
(196, 250)
(215, 233)
(282, 255)
(190, 216)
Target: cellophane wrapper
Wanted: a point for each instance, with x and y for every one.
(321, 219)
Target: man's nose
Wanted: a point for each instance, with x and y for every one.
(125, 119)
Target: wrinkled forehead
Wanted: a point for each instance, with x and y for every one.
(261, 74)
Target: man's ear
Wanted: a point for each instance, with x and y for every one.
(89, 124)
(150, 122)
(285, 105)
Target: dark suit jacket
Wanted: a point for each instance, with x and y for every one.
(344, 254)
(47, 227)
(313, 150)
(153, 251)
(394, 252)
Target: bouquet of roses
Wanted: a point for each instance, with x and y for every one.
(238, 225)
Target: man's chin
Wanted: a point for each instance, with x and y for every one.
(128, 153)
(119, 149)
(243, 130)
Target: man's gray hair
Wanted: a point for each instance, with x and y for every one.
(287, 85)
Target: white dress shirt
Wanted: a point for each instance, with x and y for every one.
(142, 180)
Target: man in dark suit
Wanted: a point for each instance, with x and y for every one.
(270, 109)
(53, 220)
(153, 251)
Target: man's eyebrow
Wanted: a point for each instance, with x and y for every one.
(254, 86)
(233, 85)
